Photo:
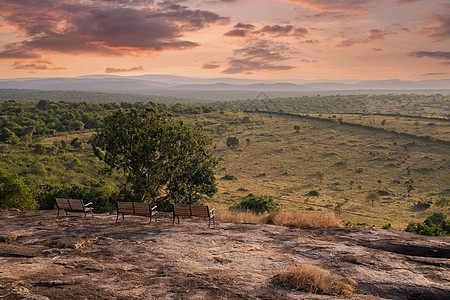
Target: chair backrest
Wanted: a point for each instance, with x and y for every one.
(141, 208)
(200, 211)
(76, 204)
(62, 203)
(125, 207)
(182, 210)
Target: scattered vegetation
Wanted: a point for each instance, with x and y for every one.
(14, 193)
(314, 279)
(435, 225)
(256, 204)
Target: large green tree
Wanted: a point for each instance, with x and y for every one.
(160, 157)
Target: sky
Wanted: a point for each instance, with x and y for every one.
(254, 39)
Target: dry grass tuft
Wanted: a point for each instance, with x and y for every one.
(313, 279)
(301, 219)
(228, 216)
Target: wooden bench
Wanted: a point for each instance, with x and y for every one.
(73, 204)
(191, 210)
(135, 208)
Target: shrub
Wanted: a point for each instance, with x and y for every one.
(313, 279)
(96, 192)
(442, 202)
(14, 193)
(232, 141)
(422, 205)
(302, 219)
(435, 225)
(314, 193)
(256, 204)
(229, 177)
(387, 226)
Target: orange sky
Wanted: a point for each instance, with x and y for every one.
(259, 39)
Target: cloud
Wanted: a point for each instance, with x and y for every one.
(374, 34)
(431, 54)
(405, 1)
(112, 27)
(115, 70)
(259, 55)
(333, 15)
(240, 30)
(348, 6)
(277, 29)
(441, 31)
(434, 74)
(210, 66)
(247, 30)
(36, 65)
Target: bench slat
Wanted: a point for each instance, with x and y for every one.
(181, 210)
(125, 207)
(201, 211)
(76, 204)
(142, 209)
(62, 203)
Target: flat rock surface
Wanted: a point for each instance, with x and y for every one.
(44, 257)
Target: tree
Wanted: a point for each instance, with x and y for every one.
(297, 128)
(157, 155)
(77, 143)
(232, 141)
(14, 193)
(320, 175)
(372, 197)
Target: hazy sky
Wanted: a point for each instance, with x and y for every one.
(260, 39)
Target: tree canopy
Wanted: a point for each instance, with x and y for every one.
(14, 193)
(160, 157)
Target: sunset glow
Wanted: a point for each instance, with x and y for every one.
(259, 39)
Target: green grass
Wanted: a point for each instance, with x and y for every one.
(282, 163)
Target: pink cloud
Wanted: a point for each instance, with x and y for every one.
(117, 70)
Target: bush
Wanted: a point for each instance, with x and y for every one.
(14, 193)
(434, 225)
(313, 279)
(314, 193)
(96, 192)
(442, 202)
(232, 141)
(229, 177)
(387, 226)
(422, 205)
(257, 204)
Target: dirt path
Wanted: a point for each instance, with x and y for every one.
(69, 258)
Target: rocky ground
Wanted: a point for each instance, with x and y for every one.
(42, 257)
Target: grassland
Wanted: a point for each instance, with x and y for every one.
(276, 160)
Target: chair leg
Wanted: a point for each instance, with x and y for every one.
(117, 218)
(57, 214)
(92, 214)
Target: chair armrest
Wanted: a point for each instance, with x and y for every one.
(90, 203)
(154, 207)
(211, 211)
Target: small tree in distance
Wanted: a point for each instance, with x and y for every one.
(232, 142)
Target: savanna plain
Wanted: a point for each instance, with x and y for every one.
(345, 175)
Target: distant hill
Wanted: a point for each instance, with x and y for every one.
(170, 82)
